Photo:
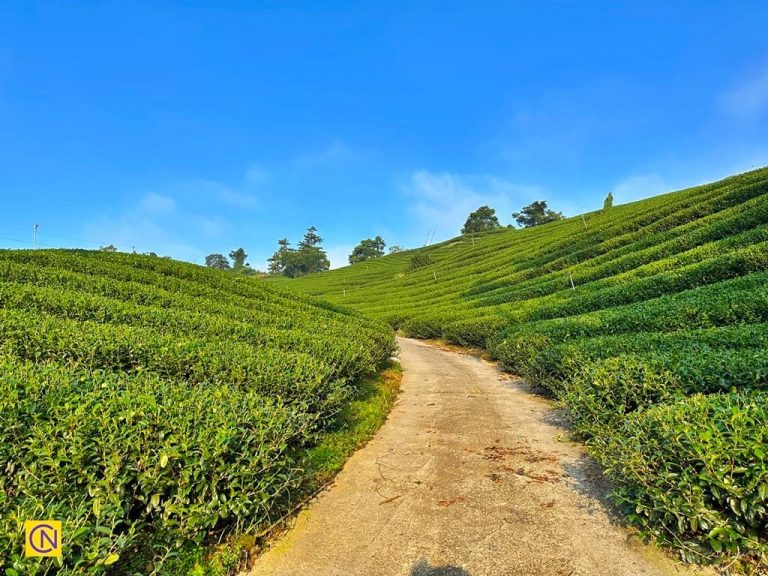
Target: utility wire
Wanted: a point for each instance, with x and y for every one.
(46, 235)
(27, 242)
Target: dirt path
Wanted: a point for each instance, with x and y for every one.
(469, 476)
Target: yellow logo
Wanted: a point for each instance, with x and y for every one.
(43, 538)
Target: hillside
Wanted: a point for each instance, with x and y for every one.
(150, 403)
(647, 319)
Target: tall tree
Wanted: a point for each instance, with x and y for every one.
(484, 218)
(367, 249)
(608, 201)
(217, 261)
(307, 258)
(279, 259)
(535, 214)
(238, 259)
(311, 239)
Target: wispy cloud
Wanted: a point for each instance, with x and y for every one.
(244, 194)
(441, 201)
(640, 186)
(234, 197)
(748, 99)
(334, 153)
(134, 231)
(157, 203)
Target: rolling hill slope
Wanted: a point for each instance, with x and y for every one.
(148, 403)
(648, 319)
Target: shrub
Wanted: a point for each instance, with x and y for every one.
(694, 473)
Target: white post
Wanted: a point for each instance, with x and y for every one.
(34, 235)
(573, 287)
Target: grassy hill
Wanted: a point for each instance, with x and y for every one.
(647, 319)
(150, 403)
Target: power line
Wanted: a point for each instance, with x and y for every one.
(27, 242)
(47, 235)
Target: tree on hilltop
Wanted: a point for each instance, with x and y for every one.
(307, 258)
(535, 214)
(279, 260)
(238, 266)
(367, 249)
(482, 219)
(608, 201)
(217, 261)
(238, 259)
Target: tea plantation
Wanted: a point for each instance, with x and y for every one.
(150, 404)
(649, 320)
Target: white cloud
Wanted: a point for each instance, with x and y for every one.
(338, 255)
(748, 100)
(441, 201)
(157, 203)
(236, 198)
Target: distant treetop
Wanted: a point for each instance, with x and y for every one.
(367, 249)
(484, 218)
(536, 213)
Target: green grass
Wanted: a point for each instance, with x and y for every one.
(645, 312)
(356, 424)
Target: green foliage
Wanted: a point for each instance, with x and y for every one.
(115, 457)
(419, 260)
(669, 301)
(482, 219)
(239, 264)
(694, 473)
(367, 249)
(308, 258)
(238, 259)
(217, 261)
(153, 405)
(608, 203)
(535, 214)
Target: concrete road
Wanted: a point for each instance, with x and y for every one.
(471, 475)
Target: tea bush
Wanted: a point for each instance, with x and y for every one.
(695, 473)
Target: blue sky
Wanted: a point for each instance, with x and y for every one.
(194, 127)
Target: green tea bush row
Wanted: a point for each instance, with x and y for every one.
(599, 394)
(345, 358)
(136, 460)
(694, 473)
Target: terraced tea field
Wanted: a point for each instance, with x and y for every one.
(150, 404)
(648, 320)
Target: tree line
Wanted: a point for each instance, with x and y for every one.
(535, 214)
(309, 256)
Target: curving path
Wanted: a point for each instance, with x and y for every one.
(470, 475)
